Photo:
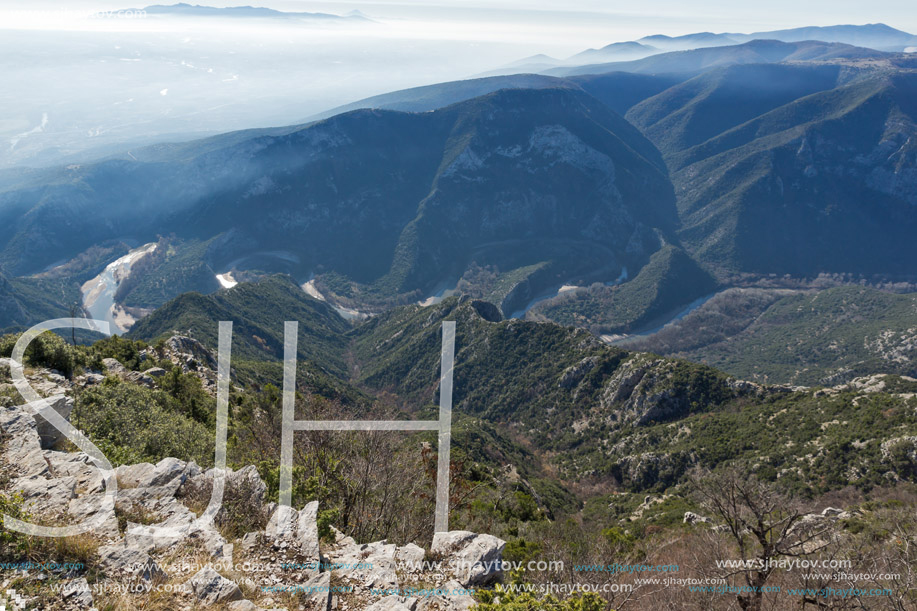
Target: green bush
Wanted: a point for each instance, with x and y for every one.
(11, 540)
(47, 350)
(502, 599)
(125, 351)
(136, 423)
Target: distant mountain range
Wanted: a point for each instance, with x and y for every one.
(249, 12)
(876, 36)
(754, 52)
(619, 80)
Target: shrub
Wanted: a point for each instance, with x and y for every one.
(10, 540)
(501, 599)
(125, 351)
(138, 424)
(47, 350)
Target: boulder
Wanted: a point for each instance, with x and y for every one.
(474, 559)
(139, 378)
(129, 476)
(410, 557)
(128, 560)
(169, 472)
(91, 379)
(114, 367)
(155, 372)
(282, 524)
(23, 447)
(47, 434)
(299, 528)
(211, 588)
(164, 472)
(307, 530)
(693, 518)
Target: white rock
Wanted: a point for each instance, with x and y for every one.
(45, 496)
(23, 448)
(410, 556)
(47, 434)
(124, 559)
(474, 559)
(211, 588)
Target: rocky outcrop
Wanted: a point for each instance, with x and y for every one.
(115, 368)
(154, 537)
(124, 560)
(644, 390)
(297, 529)
(487, 310)
(693, 518)
(574, 374)
(642, 471)
(48, 436)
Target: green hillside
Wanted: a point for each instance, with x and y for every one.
(804, 337)
(258, 311)
(671, 279)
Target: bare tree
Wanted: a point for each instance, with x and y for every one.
(764, 525)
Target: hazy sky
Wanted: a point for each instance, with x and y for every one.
(536, 25)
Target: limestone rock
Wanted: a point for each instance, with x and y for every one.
(298, 528)
(114, 367)
(389, 603)
(47, 434)
(45, 496)
(474, 559)
(23, 448)
(693, 518)
(410, 556)
(211, 588)
(124, 559)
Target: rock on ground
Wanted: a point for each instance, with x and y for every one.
(211, 588)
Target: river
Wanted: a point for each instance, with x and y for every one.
(99, 293)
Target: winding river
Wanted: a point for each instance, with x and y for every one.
(99, 293)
